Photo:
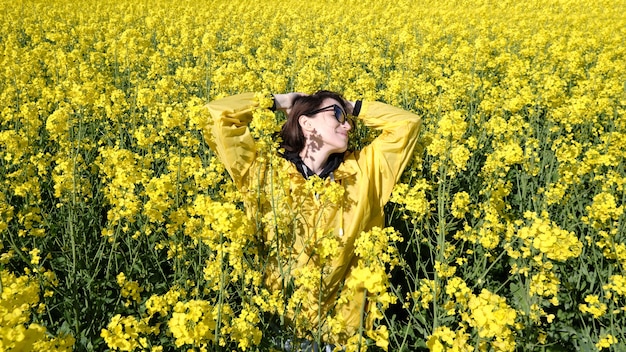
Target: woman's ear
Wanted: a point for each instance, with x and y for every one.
(305, 123)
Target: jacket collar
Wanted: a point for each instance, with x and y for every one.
(335, 165)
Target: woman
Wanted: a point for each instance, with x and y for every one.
(314, 142)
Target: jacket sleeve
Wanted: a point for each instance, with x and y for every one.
(228, 135)
(386, 157)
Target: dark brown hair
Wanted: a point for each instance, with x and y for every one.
(291, 132)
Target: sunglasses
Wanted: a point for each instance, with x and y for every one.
(340, 114)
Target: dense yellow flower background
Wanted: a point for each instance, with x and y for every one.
(121, 230)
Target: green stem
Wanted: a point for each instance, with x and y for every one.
(362, 320)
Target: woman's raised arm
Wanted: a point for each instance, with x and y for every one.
(387, 156)
(228, 135)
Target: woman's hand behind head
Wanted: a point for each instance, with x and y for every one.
(286, 101)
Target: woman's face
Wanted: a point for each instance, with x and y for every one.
(326, 132)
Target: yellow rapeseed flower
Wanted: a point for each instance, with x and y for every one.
(606, 341)
(593, 306)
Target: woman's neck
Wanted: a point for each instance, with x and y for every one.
(314, 161)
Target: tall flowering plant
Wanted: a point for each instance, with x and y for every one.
(121, 230)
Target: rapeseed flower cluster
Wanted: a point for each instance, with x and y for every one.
(127, 333)
(485, 317)
(192, 323)
(129, 289)
(18, 299)
(120, 229)
(547, 238)
(593, 306)
(493, 319)
(413, 198)
(444, 339)
(606, 342)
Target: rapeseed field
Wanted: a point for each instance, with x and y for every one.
(122, 231)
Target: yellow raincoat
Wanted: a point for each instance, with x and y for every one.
(367, 177)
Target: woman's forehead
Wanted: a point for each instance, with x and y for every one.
(328, 102)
